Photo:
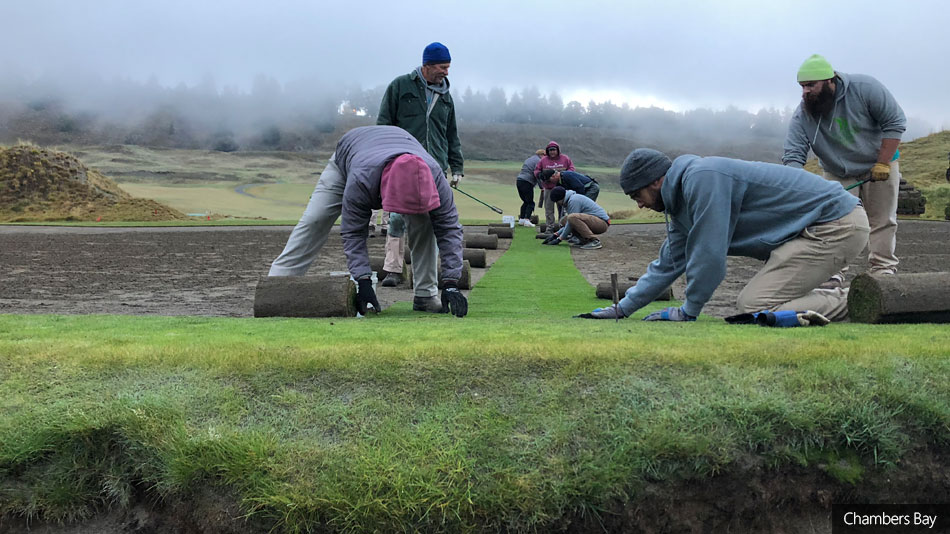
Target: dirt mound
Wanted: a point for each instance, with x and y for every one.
(39, 184)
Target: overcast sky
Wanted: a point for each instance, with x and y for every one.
(675, 54)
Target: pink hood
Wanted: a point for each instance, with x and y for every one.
(407, 186)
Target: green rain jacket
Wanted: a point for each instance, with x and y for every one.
(404, 105)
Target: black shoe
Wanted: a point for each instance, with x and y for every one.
(392, 279)
(427, 304)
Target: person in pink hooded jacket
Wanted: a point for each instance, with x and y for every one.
(554, 160)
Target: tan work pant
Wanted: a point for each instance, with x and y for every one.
(586, 225)
(789, 279)
(880, 203)
(395, 254)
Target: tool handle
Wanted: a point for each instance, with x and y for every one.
(857, 184)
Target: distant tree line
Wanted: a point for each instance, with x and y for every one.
(310, 115)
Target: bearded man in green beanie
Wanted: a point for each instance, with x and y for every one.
(854, 125)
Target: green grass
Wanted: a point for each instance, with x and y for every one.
(512, 418)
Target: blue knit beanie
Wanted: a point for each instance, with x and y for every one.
(558, 194)
(436, 53)
(641, 168)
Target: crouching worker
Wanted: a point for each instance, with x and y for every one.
(383, 167)
(805, 228)
(585, 220)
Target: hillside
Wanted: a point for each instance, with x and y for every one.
(39, 184)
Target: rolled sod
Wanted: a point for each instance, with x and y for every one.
(305, 296)
(543, 227)
(505, 233)
(481, 241)
(605, 291)
(465, 282)
(534, 219)
(499, 225)
(475, 257)
(900, 298)
(542, 235)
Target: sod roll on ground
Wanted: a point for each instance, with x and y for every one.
(305, 296)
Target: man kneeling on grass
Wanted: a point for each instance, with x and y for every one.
(584, 220)
(383, 167)
(805, 228)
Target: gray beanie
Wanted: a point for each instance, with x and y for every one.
(641, 168)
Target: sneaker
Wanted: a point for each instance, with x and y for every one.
(427, 304)
(392, 279)
(526, 222)
(835, 282)
(593, 244)
(574, 241)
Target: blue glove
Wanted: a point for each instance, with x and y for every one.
(613, 312)
(789, 318)
(670, 314)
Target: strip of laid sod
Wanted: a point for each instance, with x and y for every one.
(517, 417)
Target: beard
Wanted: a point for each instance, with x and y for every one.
(658, 204)
(822, 103)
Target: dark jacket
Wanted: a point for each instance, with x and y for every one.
(575, 181)
(361, 155)
(404, 105)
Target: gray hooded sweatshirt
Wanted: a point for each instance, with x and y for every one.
(361, 155)
(847, 142)
(719, 207)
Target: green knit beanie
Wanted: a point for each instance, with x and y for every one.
(815, 68)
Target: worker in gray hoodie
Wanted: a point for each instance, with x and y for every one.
(585, 220)
(854, 125)
(384, 167)
(803, 227)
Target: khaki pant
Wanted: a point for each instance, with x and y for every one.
(586, 225)
(880, 203)
(549, 206)
(789, 279)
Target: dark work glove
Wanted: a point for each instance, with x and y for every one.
(553, 240)
(669, 314)
(365, 296)
(613, 312)
(453, 301)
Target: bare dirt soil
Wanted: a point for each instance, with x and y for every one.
(214, 271)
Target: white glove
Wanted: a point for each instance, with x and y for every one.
(811, 318)
(456, 178)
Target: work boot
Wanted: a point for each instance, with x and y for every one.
(835, 282)
(593, 244)
(427, 304)
(392, 279)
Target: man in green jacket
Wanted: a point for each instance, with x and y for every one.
(420, 103)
